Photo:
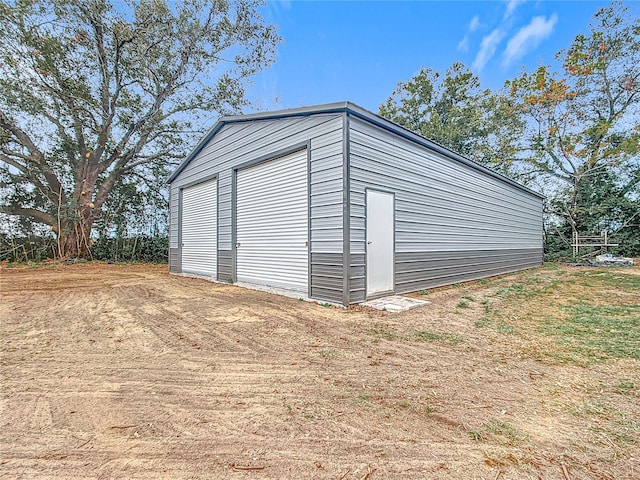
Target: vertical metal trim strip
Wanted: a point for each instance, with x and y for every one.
(346, 211)
(309, 277)
(169, 228)
(393, 274)
(366, 244)
(179, 266)
(218, 227)
(542, 231)
(234, 225)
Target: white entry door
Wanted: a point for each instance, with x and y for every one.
(272, 230)
(380, 242)
(199, 231)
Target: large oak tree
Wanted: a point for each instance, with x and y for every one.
(583, 123)
(92, 93)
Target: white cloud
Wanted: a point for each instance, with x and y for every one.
(488, 48)
(529, 37)
(511, 6)
(277, 7)
(474, 24)
(463, 45)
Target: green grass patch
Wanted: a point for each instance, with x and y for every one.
(591, 407)
(380, 331)
(613, 279)
(363, 399)
(499, 430)
(529, 288)
(483, 322)
(550, 266)
(506, 329)
(327, 353)
(515, 290)
(426, 409)
(594, 333)
(446, 338)
(626, 387)
(510, 434)
(534, 280)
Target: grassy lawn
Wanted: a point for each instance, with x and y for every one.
(582, 317)
(587, 321)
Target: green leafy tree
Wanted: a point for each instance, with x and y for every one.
(454, 111)
(583, 124)
(609, 201)
(96, 95)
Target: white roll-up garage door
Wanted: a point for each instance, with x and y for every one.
(272, 223)
(199, 229)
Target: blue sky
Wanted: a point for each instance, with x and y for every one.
(360, 50)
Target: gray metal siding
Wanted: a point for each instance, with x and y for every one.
(415, 271)
(477, 224)
(237, 143)
(357, 276)
(174, 260)
(225, 265)
(327, 274)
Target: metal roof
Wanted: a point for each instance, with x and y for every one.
(350, 109)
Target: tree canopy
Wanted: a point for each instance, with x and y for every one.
(95, 94)
(454, 111)
(583, 123)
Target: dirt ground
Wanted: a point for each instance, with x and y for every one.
(111, 371)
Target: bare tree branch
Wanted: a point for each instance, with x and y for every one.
(37, 215)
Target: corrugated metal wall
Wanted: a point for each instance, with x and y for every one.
(241, 142)
(453, 223)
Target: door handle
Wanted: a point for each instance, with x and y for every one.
(369, 242)
(237, 244)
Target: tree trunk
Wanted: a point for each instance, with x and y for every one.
(74, 239)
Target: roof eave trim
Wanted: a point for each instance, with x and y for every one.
(409, 135)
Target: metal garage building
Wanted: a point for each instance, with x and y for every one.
(342, 205)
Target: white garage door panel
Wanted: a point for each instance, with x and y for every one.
(199, 229)
(272, 223)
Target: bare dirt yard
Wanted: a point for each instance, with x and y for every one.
(115, 371)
